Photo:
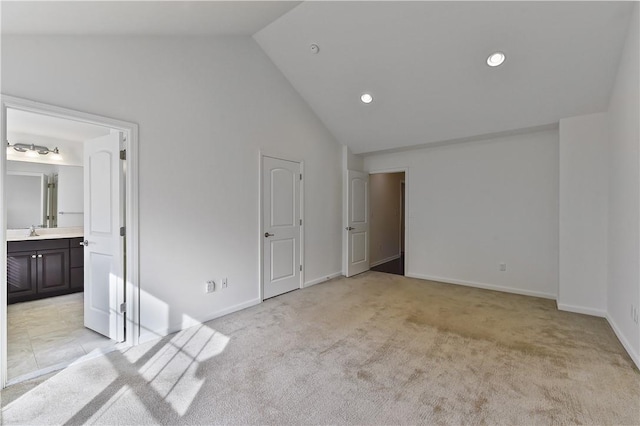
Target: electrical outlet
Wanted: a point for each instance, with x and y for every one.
(503, 267)
(225, 283)
(211, 286)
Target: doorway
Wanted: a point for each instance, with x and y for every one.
(387, 229)
(64, 295)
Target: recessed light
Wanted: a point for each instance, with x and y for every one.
(366, 98)
(496, 59)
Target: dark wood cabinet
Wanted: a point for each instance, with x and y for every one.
(21, 274)
(53, 270)
(43, 268)
(76, 253)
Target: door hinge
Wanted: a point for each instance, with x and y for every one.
(123, 307)
(122, 231)
(300, 176)
(123, 154)
(301, 267)
(300, 222)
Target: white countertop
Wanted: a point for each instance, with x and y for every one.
(44, 233)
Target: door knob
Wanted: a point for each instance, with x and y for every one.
(267, 235)
(84, 243)
(349, 228)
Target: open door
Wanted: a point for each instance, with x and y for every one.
(103, 245)
(357, 223)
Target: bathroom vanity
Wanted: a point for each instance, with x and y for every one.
(44, 266)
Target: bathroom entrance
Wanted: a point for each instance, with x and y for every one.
(64, 291)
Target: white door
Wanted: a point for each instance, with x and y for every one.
(357, 229)
(281, 226)
(103, 251)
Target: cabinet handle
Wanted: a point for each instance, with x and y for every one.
(33, 256)
(84, 243)
(39, 255)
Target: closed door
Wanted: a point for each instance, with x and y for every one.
(103, 245)
(357, 229)
(281, 226)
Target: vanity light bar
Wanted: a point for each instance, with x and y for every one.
(42, 150)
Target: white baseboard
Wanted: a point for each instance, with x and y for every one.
(582, 310)
(191, 322)
(322, 279)
(484, 286)
(388, 259)
(627, 346)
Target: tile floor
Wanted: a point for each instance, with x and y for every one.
(48, 332)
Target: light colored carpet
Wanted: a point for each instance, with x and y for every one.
(374, 349)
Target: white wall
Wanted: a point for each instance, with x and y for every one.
(384, 208)
(472, 206)
(584, 177)
(70, 196)
(351, 161)
(24, 166)
(624, 195)
(206, 107)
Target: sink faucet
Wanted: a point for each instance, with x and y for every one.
(32, 231)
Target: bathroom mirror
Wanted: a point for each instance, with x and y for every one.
(26, 199)
(44, 195)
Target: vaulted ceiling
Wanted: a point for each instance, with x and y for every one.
(423, 62)
(140, 17)
(425, 65)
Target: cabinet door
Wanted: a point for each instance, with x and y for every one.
(21, 274)
(53, 270)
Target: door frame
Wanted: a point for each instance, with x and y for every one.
(406, 208)
(261, 224)
(403, 209)
(131, 262)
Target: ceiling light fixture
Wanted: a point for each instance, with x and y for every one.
(366, 98)
(496, 59)
(32, 150)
